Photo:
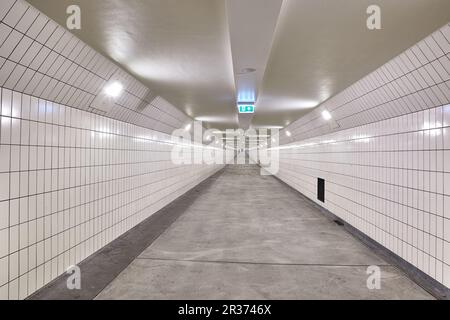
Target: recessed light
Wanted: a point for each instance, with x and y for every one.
(288, 133)
(114, 89)
(188, 127)
(247, 70)
(326, 115)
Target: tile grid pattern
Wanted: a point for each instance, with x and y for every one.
(385, 155)
(415, 80)
(73, 178)
(40, 58)
(389, 179)
(71, 182)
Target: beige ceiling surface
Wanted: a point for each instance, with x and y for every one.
(181, 49)
(323, 46)
(178, 48)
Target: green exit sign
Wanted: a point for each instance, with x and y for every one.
(246, 108)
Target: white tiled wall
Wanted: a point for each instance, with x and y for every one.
(74, 178)
(387, 165)
(390, 180)
(72, 181)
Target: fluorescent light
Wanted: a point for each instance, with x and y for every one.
(326, 115)
(114, 89)
(288, 133)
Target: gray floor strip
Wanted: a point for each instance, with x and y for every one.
(98, 270)
(256, 219)
(264, 263)
(433, 287)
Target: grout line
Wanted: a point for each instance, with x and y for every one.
(56, 289)
(426, 282)
(264, 263)
(407, 223)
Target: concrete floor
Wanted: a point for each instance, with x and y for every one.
(252, 237)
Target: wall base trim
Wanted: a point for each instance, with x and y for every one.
(103, 266)
(432, 286)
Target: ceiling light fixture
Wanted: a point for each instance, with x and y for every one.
(326, 115)
(247, 70)
(288, 133)
(188, 127)
(114, 89)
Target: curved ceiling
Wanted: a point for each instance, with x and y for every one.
(323, 46)
(182, 49)
(179, 49)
